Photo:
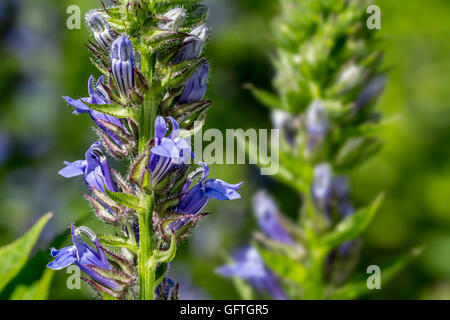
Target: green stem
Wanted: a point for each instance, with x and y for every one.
(147, 118)
(146, 272)
(316, 292)
(149, 109)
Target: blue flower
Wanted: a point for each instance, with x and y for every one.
(341, 193)
(193, 45)
(165, 289)
(248, 265)
(195, 87)
(97, 96)
(169, 153)
(83, 256)
(331, 192)
(268, 218)
(122, 65)
(100, 28)
(322, 186)
(195, 199)
(94, 168)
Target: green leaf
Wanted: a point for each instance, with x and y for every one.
(14, 256)
(182, 76)
(358, 287)
(116, 241)
(114, 110)
(284, 266)
(117, 276)
(268, 99)
(124, 199)
(183, 133)
(168, 255)
(352, 226)
(38, 290)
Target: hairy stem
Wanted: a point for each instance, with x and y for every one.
(146, 272)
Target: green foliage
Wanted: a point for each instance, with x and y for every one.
(114, 110)
(14, 256)
(38, 290)
(358, 287)
(124, 199)
(352, 226)
(165, 256)
(116, 241)
(284, 266)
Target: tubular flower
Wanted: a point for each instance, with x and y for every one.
(268, 217)
(316, 125)
(193, 45)
(195, 199)
(85, 257)
(248, 265)
(169, 153)
(94, 168)
(195, 87)
(322, 186)
(100, 28)
(166, 290)
(122, 65)
(97, 96)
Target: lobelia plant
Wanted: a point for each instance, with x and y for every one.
(328, 78)
(144, 105)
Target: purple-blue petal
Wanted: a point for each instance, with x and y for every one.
(73, 169)
(167, 148)
(63, 258)
(221, 190)
(248, 265)
(160, 127)
(195, 87)
(193, 201)
(268, 218)
(79, 106)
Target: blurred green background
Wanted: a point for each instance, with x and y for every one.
(41, 60)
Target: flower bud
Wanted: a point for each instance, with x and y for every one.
(370, 93)
(122, 65)
(316, 124)
(100, 29)
(322, 186)
(349, 78)
(172, 19)
(193, 44)
(195, 87)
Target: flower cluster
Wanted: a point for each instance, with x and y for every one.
(328, 78)
(144, 105)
